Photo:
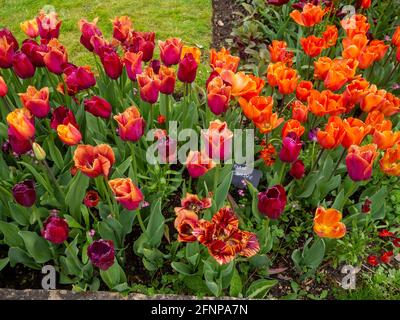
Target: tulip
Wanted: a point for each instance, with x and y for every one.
(312, 45)
(355, 91)
(101, 253)
(396, 37)
(291, 147)
(4, 32)
(94, 161)
(185, 223)
(155, 64)
(325, 102)
(133, 64)
(390, 162)
(6, 53)
(167, 80)
(56, 58)
(272, 202)
(385, 139)
(355, 130)
(88, 30)
(24, 193)
(167, 149)
(386, 257)
(193, 202)
(223, 60)
(91, 199)
(258, 108)
(122, 26)
(218, 140)
(365, 4)
(194, 51)
(287, 80)
(312, 135)
(244, 86)
(333, 134)
(277, 2)
(55, 230)
(327, 223)
(144, 42)
(218, 96)
(278, 52)
(330, 36)
(373, 260)
(30, 28)
(62, 115)
(98, 107)
(35, 52)
(18, 145)
(360, 160)
(355, 25)
(170, 51)
(126, 193)
(303, 90)
(21, 124)
(69, 134)
(310, 16)
(321, 67)
(297, 169)
(3, 87)
(149, 85)
(38, 151)
(187, 68)
(79, 78)
(112, 64)
(299, 111)
(36, 101)
(335, 79)
(131, 124)
(198, 164)
(293, 126)
(49, 25)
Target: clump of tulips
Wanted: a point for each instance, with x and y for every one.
(77, 140)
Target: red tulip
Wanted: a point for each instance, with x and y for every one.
(55, 230)
(198, 164)
(62, 115)
(122, 26)
(218, 140)
(49, 25)
(98, 107)
(4, 32)
(130, 124)
(360, 160)
(3, 87)
(18, 145)
(22, 66)
(35, 52)
(133, 64)
(88, 30)
(170, 51)
(102, 254)
(79, 78)
(126, 193)
(167, 80)
(187, 68)
(6, 53)
(56, 58)
(24, 193)
(91, 199)
(144, 42)
(218, 96)
(36, 101)
(272, 202)
(112, 64)
(297, 169)
(149, 85)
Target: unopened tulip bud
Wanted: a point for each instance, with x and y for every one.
(38, 151)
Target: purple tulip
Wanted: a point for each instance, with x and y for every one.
(24, 193)
(101, 253)
(291, 147)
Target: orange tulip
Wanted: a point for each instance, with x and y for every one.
(194, 51)
(390, 163)
(373, 100)
(312, 45)
(356, 130)
(246, 86)
(122, 26)
(94, 161)
(396, 37)
(130, 124)
(268, 121)
(36, 101)
(390, 105)
(256, 107)
(21, 124)
(185, 223)
(303, 90)
(218, 96)
(310, 16)
(272, 72)
(223, 60)
(355, 92)
(299, 111)
(30, 28)
(330, 35)
(126, 193)
(379, 48)
(321, 67)
(167, 80)
(325, 102)
(352, 47)
(69, 134)
(333, 134)
(341, 71)
(278, 52)
(355, 24)
(287, 80)
(385, 139)
(292, 126)
(327, 223)
(377, 121)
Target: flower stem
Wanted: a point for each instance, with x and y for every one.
(337, 164)
(282, 173)
(134, 164)
(141, 224)
(216, 178)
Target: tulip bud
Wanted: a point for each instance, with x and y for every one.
(170, 51)
(91, 199)
(22, 66)
(187, 68)
(98, 107)
(38, 151)
(297, 169)
(24, 193)
(55, 230)
(101, 253)
(272, 202)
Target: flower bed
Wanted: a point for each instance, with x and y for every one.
(257, 182)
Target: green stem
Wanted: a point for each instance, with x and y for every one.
(37, 216)
(216, 178)
(282, 173)
(134, 164)
(316, 161)
(141, 224)
(338, 162)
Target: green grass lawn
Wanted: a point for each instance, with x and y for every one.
(189, 20)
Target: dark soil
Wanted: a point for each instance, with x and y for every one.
(226, 15)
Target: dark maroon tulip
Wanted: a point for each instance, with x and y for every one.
(277, 2)
(272, 202)
(34, 51)
(98, 107)
(24, 193)
(101, 253)
(91, 199)
(4, 32)
(155, 65)
(63, 115)
(143, 41)
(22, 66)
(291, 147)
(55, 230)
(112, 64)
(18, 145)
(366, 206)
(297, 169)
(187, 68)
